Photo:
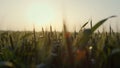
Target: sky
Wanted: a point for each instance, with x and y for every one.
(23, 14)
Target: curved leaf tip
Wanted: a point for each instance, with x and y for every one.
(101, 22)
(112, 16)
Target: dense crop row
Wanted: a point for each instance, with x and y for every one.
(52, 49)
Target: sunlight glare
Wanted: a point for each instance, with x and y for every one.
(41, 14)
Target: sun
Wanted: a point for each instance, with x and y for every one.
(40, 14)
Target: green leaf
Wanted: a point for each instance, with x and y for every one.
(84, 25)
(91, 23)
(100, 23)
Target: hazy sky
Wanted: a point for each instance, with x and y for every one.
(22, 14)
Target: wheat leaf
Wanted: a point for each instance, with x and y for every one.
(100, 23)
(84, 25)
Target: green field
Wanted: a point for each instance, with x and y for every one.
(52, 49)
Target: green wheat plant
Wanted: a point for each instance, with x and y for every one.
(53, 49)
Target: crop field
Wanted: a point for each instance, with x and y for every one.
(52, 49)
